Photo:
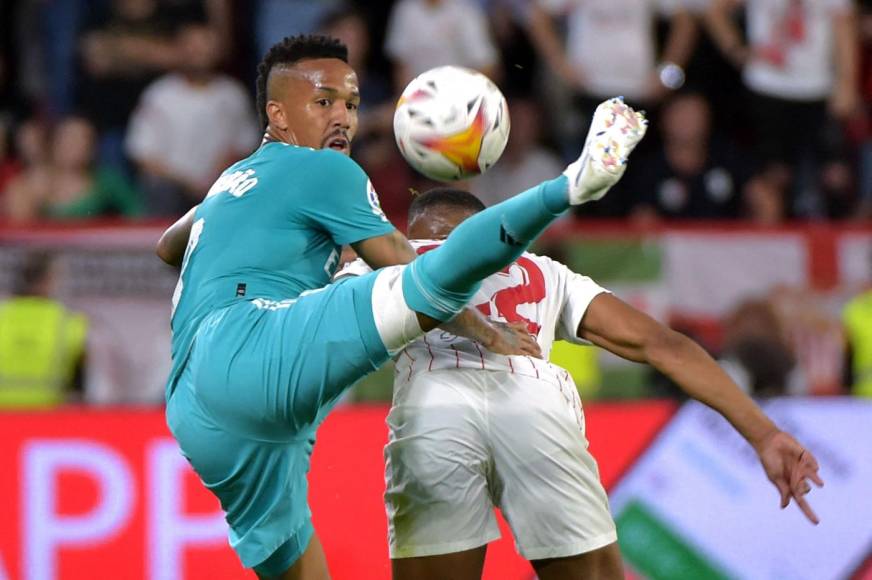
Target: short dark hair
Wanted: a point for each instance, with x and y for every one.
(444, 197)
(35, 268)
(288, 51)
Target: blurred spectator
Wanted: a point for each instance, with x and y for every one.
(31, 144)
(756, 352)
(800, 64)
(423, 34)
(350, 26)
(524, 163)
(189, 126)
(520, 64)
(276, 19)
(694, 175)
(816, 337)
(9, 166)
(611, 47)
(865, 125)
(42, 343)
(72, 184)
(120, 54)
(857, 322)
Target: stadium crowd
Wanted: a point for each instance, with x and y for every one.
(132, 107)
(761, 110)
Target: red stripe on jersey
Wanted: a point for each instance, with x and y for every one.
(511, 366)
(411, 358)
(456, 356)
(534, 366)
(480, 354)
(430, 350)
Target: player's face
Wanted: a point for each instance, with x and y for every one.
(315, 104)
(437, 222)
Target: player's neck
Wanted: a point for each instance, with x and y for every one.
(272, 135)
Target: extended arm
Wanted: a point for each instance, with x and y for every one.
(623, 330)
(172, 243)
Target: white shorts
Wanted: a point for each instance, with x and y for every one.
(465, 441)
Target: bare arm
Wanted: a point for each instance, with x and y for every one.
(172, 243)
(681, 39)
(719, 21)
(548, 44)
(623, 330)
(386, 250)
(508, 339)
(845, 99)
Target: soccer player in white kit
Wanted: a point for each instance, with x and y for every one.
(471, 430)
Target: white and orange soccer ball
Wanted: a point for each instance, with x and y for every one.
(451, 123)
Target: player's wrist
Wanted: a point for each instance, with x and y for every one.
(761, 439)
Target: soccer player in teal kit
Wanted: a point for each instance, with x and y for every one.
(262, 348)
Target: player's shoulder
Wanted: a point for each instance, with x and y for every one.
(544, 261)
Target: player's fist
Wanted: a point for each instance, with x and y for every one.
(614, 132)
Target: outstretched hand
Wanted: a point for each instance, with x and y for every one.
(513, 339)
(790, 467)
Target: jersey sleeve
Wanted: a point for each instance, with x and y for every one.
(578, 292)
(341, 200)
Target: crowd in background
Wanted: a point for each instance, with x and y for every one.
(760, 108)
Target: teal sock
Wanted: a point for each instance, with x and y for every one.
(441, 282)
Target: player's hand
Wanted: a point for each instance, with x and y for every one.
(790, 467)
(513, 339)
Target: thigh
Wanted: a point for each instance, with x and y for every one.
(283, 565)
(550, 492)
(261, 485)
(466, 565)
(275, 368)
(436, 468)
(600, 564)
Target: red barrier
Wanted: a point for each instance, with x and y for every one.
(105, 494)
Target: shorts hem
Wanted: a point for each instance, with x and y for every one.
(305, 527)
(441, 549)
(573, 549)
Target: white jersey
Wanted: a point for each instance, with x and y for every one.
(547, 296)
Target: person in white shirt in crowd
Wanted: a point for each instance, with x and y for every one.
(471, 430)
(525, 162)
(611, 46)
(189, 125)
(799, 60)
(423, 34)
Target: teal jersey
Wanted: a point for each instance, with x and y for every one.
(271, 227)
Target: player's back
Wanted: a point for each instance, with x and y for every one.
(535, 290)
(270, 228)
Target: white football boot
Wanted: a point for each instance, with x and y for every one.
(614, 132)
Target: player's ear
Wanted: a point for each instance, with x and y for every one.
(275, 112)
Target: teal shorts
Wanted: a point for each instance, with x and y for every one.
(261, 377)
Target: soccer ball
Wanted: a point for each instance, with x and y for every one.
(451, 123)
